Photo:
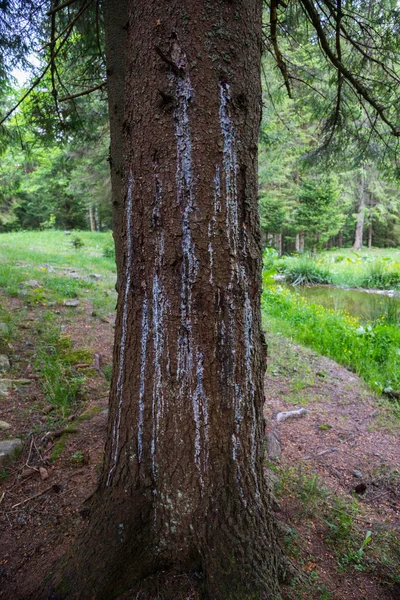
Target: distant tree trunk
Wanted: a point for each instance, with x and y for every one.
(340, 239)
(97, 218)
(370, 232)
(183, 485)
(278, 241)
(91, 218)
(297, 246)
(358, 239)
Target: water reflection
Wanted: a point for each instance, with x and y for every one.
(365, 305)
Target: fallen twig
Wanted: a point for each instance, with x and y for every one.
(33, 497)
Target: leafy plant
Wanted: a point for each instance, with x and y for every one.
(304, 271)
(356, 558)
(77, 458)
(77, 242)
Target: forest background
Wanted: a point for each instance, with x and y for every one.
(328, 169)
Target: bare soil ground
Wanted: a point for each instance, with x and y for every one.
(42, 498)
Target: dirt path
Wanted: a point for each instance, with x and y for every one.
(345, 431)
(345, 443)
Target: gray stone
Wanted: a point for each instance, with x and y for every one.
(8, 450)
(358, 474)
(95, 276)
(3, 328)
(71, 303)
(33, 283)
(4, 363)
(7, 384)
(4, 386)
(4, 426)
(274, 448)
(291, 414)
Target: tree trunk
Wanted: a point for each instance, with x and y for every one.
(97, 218)
(340, 239)
(183, 484)
(91, 218)
(370, 232)
(358, 239)
(278, 240)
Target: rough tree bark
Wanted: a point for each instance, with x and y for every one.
(183, 484)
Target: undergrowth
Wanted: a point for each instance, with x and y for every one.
(55, 358)
(367, 269)
(372, 351)
(341, 521)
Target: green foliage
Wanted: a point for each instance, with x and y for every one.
(60, 382)
(380, 275)
(368, 269)
(356, 558)
(372, 352)
(318, 212)
(77, 458)
(77, 242)
(43, 256)
(304, 271)
(109, 248)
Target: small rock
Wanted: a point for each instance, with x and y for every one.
(67, 232)
(104, 412)
(8, 450)
(4, 363)
(95, 276)
(4, 386)
(7, 384)
(358, 474)
(44, 474)
(33, 283)
(291, 414)
(71, 303)
(360, 488)
(274, 448)
(4, 426)
(3, 328)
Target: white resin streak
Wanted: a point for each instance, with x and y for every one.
(159, 305)
(143, 356)
(190, 358)
(120, 383)
(240, 392)
(230, 168)
(213, 221)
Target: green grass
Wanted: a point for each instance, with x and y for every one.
(54, 361)
(372, 351)
(305, 271)
(49, 257)
(341, 517)
(375, 268)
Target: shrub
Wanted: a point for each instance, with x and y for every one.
(305, 271)
(372, 351)
(380, 275)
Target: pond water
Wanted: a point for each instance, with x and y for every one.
(367, 306)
